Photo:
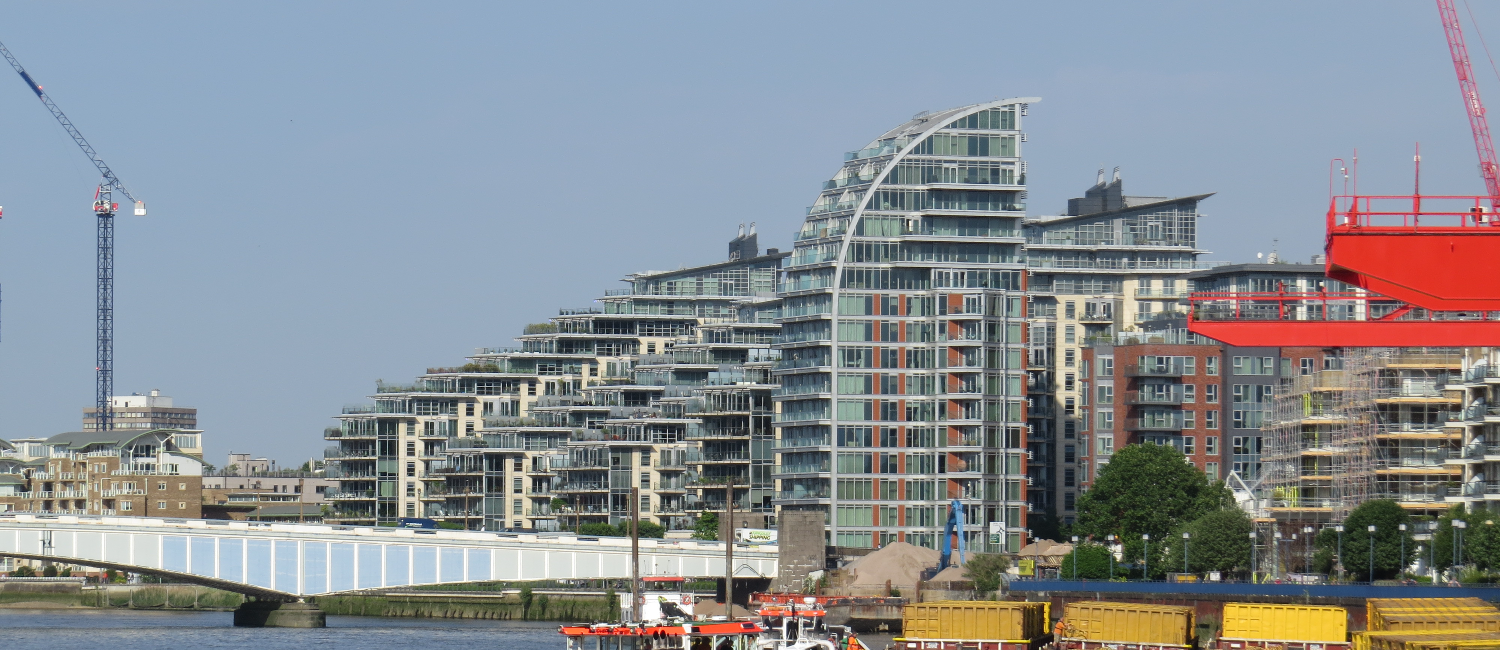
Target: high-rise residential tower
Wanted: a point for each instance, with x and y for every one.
(903, 323)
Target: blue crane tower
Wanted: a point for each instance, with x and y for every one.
(104, 210)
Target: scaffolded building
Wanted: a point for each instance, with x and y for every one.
(1378, 427)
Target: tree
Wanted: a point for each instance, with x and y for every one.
(707, 527)
(23, 572)
(1220, 541)
(49, 571)
(1387, 516)
(1147, 489)
(986, 570)
(1093, 562)
(646, 529)
(599, 529)
(526, 599)
(232, 470)
(1482, 542)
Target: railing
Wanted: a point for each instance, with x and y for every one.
(335, 495)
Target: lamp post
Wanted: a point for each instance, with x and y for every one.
(1307, 548)
(1252, 557)
(1402, 573)
(1276, 552)
(1340, 529)
(1458, 542)
(1075, 557)
(1371, 530)
(1185, 537)
(1432, 528)
(1146, 556)
(1109, 540)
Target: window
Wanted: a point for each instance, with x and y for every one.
(411, 489)
(1211, 394)
(161, 505)
(1189, 419)
(1254, 365)
(645, 480)
(515, 485)
(1070, 333)
(1211, 420)
(1104, 421)
(1211, 366)
(1189, 393)
(161, 487)
(1070, 357)
(1069, 381)
(1305, 366)
(1106, 395)
(411, 428)
(517, 466)
(1070, 406)
(469, 409)
(411, 469)
(1189, 445)
(182, 505)
(411, 448)
(1106, 366)
(1069, 501)
(1211, 469)
(411, 509)
(1211, 445)
(127, 505)
(1070, 454)
(515, 506)
(182, 486)
(1106, 445)
(1070, 311)
(1331, 362)
(1070, 477)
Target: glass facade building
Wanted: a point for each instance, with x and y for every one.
(902, 371)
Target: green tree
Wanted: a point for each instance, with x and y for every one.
(599, 529)
(23, 572)
(646, 529)
(526, 599)
(1092, 559)
(1220, 541)
(707, 527)
(1482, 542)
(49, 571)
(986, 570)
(559, 504)
(1147, 489)
(1387, 516)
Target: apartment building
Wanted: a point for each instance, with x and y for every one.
(122, 471)
(149, 411)
(1112, 263)
(903, 321)
(1478, 424)
(663, 388)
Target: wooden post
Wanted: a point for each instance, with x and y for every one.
(635, 554)
(729, 549)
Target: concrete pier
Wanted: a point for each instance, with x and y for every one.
(270, 613)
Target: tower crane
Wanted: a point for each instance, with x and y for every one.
(1488, 167)
(104, 210)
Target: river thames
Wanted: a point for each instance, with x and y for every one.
(66, 629)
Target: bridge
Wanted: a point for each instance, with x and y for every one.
(278, 562)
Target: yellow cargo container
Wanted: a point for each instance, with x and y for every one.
(1362, 640)
(1312, 623)
(974, 620)
(1407, 611)
(1438, 621)
(1432, 641)
(1129, 623)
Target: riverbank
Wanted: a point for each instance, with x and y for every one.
(484, 606)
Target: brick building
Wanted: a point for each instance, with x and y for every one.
(118, 472)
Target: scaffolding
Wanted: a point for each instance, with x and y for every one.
(1368, 426)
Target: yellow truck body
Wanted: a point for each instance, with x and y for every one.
(1262, 621)
(1129, 623)
(975, 619)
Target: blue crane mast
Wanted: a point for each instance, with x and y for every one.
(104, 210)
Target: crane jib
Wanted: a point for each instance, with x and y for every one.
(34, 87)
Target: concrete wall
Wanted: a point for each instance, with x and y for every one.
(800, 540)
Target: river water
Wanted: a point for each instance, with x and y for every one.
(105, 629)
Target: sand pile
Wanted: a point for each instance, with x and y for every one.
(900, 563)
(951, 574)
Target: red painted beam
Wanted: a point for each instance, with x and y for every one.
(1351, 333)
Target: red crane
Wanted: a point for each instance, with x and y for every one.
(1488, 168)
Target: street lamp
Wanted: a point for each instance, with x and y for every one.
(1146, 556)
(1307, 548)
(1458, 544)
(1371, 529)
(1185, 537)
(1402, 528)
(1252, 557)
(1276, 552)
(1110, 541)
(1075, 557)
(1340, 529)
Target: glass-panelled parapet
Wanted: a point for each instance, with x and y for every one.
(902, 368)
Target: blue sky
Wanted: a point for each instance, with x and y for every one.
(345, 192)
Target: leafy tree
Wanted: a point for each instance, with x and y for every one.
(1093, 562)
(646, 529)
(1220, 541)
(526, 599)
(707, 527)
(986, 570)
(23, 572)
(65, 572)
(232, 469)
(559, 504)
(600, 529)
(49, 571)
(1482, 541)
(1387, 516)
(1148, 489)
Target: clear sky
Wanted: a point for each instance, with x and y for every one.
(345, 192)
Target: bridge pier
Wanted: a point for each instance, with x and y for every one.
(270, 613)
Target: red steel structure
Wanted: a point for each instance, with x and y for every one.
(1418, 264)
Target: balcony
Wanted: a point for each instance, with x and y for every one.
(696, 457)
(1154, 370)
(1138, 398)
(582, 486)
(1168, 424)
(346, 495)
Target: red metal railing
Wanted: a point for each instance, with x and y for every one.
(1327, 319)
(1412, 213)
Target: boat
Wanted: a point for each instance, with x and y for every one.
(664, 634)
(790, 625)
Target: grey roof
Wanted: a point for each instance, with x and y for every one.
(80, 439)
(1241, 269)
(11, 479)
(1151, 203)
(749, 261)
(5, 445)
